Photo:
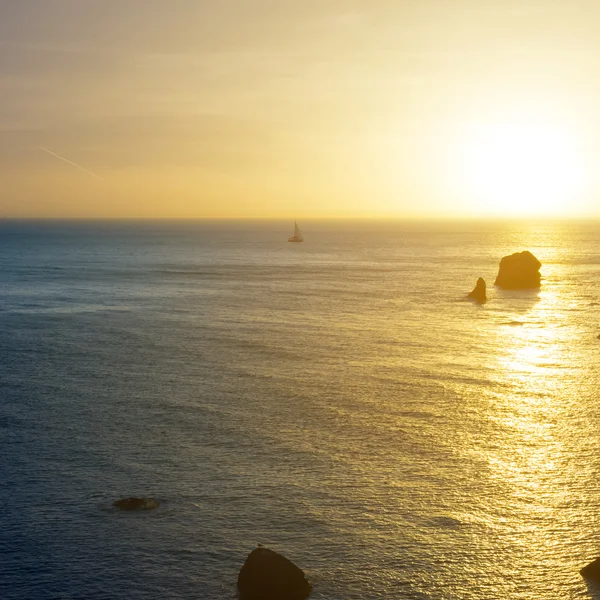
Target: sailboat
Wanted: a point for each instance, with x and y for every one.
(297, 237)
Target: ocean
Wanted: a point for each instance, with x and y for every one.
(337, 401)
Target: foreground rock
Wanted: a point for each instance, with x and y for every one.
(267, 575)
(136, 504)
(519, 271)
(592, 571)
(479, 291)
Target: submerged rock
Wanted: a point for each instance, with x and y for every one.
(591, 571)
(519, 271)
(478, 294)
(136, 504)
(267, 575)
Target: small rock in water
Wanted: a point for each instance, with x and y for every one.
(479, 291)
(136, 504)
(592, 571)
(267, 575)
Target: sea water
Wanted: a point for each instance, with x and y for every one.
(338, 401)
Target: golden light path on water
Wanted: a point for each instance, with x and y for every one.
(540, 426)
(515, 433)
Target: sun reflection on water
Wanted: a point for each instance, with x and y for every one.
(529, 453)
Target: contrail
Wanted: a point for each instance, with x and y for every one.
(70, 162)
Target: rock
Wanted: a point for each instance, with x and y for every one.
(267, 575)
(136, 504)
(519, 271)
(478, 293)
(591, 571)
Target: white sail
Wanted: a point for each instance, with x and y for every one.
(297, 232)
(297, 237)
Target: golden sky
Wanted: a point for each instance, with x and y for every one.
(324, 108)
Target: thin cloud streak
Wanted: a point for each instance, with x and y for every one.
(70, 162)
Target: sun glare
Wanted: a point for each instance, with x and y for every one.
(516, 169)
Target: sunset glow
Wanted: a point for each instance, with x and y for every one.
(272, 109)
(523, 169)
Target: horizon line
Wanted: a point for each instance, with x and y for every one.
(527, 218)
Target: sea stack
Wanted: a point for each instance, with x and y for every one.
(478, 293)
(267, 575)
(519, 271)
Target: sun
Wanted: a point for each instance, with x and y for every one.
(521, 169)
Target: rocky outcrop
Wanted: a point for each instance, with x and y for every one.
(478, 294)
(136, 504)
(267, 575)
(519, 271)
(592, 571)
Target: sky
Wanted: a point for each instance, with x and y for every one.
(283, 109)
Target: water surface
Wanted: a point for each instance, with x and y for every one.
(335, 400)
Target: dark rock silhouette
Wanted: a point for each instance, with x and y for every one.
(267, 575)
(478, 293)
(592, 571)
(519, 271)
(136, 504)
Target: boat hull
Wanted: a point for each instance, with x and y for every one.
(294, 239)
